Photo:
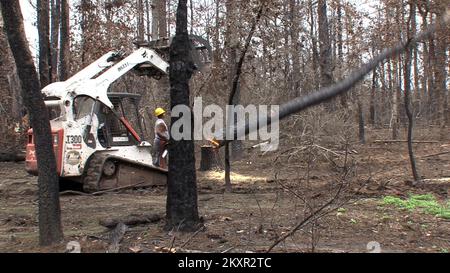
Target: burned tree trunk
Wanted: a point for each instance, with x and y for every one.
(64, 52)
(325, 58)
(409, 112)
(50, 230)
(181, 207)
(54, 39)
(44, 41)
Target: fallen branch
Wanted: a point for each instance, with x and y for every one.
(131, 220)
(202, 228)
(405, 141)
(433, 155)
(118, 189)
(177, 250)
(74, 193)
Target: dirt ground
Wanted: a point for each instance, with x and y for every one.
(262, 207)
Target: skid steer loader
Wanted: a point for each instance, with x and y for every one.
(97, 135)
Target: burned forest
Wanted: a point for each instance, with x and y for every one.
(224, 126)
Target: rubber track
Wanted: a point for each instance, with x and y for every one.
(94, 172)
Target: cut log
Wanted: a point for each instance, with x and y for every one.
(131, 220)
(210, 159)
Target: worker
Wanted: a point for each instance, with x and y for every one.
(161, 139)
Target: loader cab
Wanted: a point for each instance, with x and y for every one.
(119, 126)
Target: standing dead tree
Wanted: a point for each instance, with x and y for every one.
(50, 230)
(409, 111)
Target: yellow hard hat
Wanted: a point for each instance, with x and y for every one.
(159, 111)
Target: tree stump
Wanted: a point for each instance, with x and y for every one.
(210, 158)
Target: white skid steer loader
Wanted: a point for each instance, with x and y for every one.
(97, 142)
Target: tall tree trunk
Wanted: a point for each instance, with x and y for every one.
(44, 41)
(417, 92)
(64, 52)
(54, 39)
(384, 96)
(409, 111)
(295, 47)
(423, 10)
(340, 49)
(148, 12)
(140, 20)
(191, 8)
(395, 117)
(315, 53)
(155, 19)
(441, 77)
(361, 123)
(162, 18)
(50, 230)
(372, 106)
(216, 37)
(325, 61)
(181, 208)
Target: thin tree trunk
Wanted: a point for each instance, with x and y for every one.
(361, 123)
(384, 95)
(325, 58)
(418, 99)
(395, 85)
(441, 75)
(148, 11)
(234, 91)
(181, 208)
(315, 53)
(44, 41)
(50, 229)
(54, 39)
(162, 19)
(409, 112)
(216, 39)
(155, 20)
(64, 51)
(373, 91)
(295, 48)
(140, 20)
(191, 8)
(340, 49)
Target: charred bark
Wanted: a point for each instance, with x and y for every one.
(64, 52)
(182, 209)
(44, 41)
(50, 230)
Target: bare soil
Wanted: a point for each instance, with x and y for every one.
(257, 212)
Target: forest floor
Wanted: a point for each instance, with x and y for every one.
(260, 209)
